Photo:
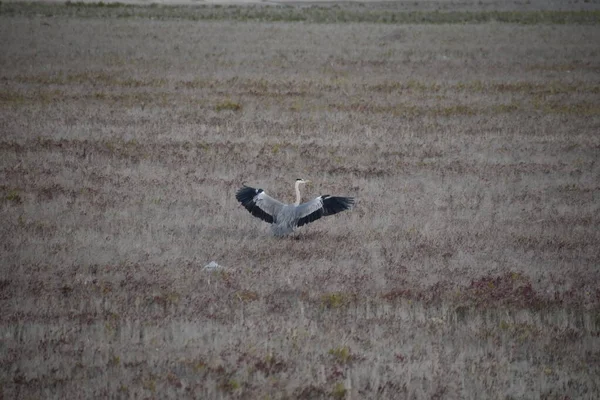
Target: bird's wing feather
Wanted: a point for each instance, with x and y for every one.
(258, 203)
(322, 206)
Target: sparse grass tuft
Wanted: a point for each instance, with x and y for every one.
(228, 105)
(336, 300)
(341, 355)
(114, 361)
(229, 385)
(150, 384)
(507, 108)
(11, 98)
(174, 380)
(339, 391)
(271, 365)
(199, 366)
(247, 296)
(14, 197)
(455, 110)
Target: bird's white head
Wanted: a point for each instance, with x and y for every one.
(300, 180)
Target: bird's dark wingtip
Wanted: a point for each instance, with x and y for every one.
(246, 194)
(336, 204)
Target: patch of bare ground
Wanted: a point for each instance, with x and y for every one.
(468, 268)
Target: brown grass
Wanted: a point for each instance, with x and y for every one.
(468, 269)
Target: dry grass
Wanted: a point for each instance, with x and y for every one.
(390, 12)
(468, 269)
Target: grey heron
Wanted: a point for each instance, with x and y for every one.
(285, 218)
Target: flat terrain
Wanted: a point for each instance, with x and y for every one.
(469, 268)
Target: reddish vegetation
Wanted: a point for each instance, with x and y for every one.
(508, 289)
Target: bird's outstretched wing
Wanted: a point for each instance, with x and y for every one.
(260, 204)
(322, 206)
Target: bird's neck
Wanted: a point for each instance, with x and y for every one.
(297, 194)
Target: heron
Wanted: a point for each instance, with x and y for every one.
(285, 218)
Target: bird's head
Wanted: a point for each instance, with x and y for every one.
(300, 180)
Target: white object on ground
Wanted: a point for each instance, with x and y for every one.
(211, 266)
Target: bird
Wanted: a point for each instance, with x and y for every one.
(285, 218)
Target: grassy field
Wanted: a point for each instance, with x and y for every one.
(469, 268)
(390, 12)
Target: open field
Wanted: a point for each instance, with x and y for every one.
(394, 12)
(470, 267)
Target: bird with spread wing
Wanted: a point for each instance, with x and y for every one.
(285, 218)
